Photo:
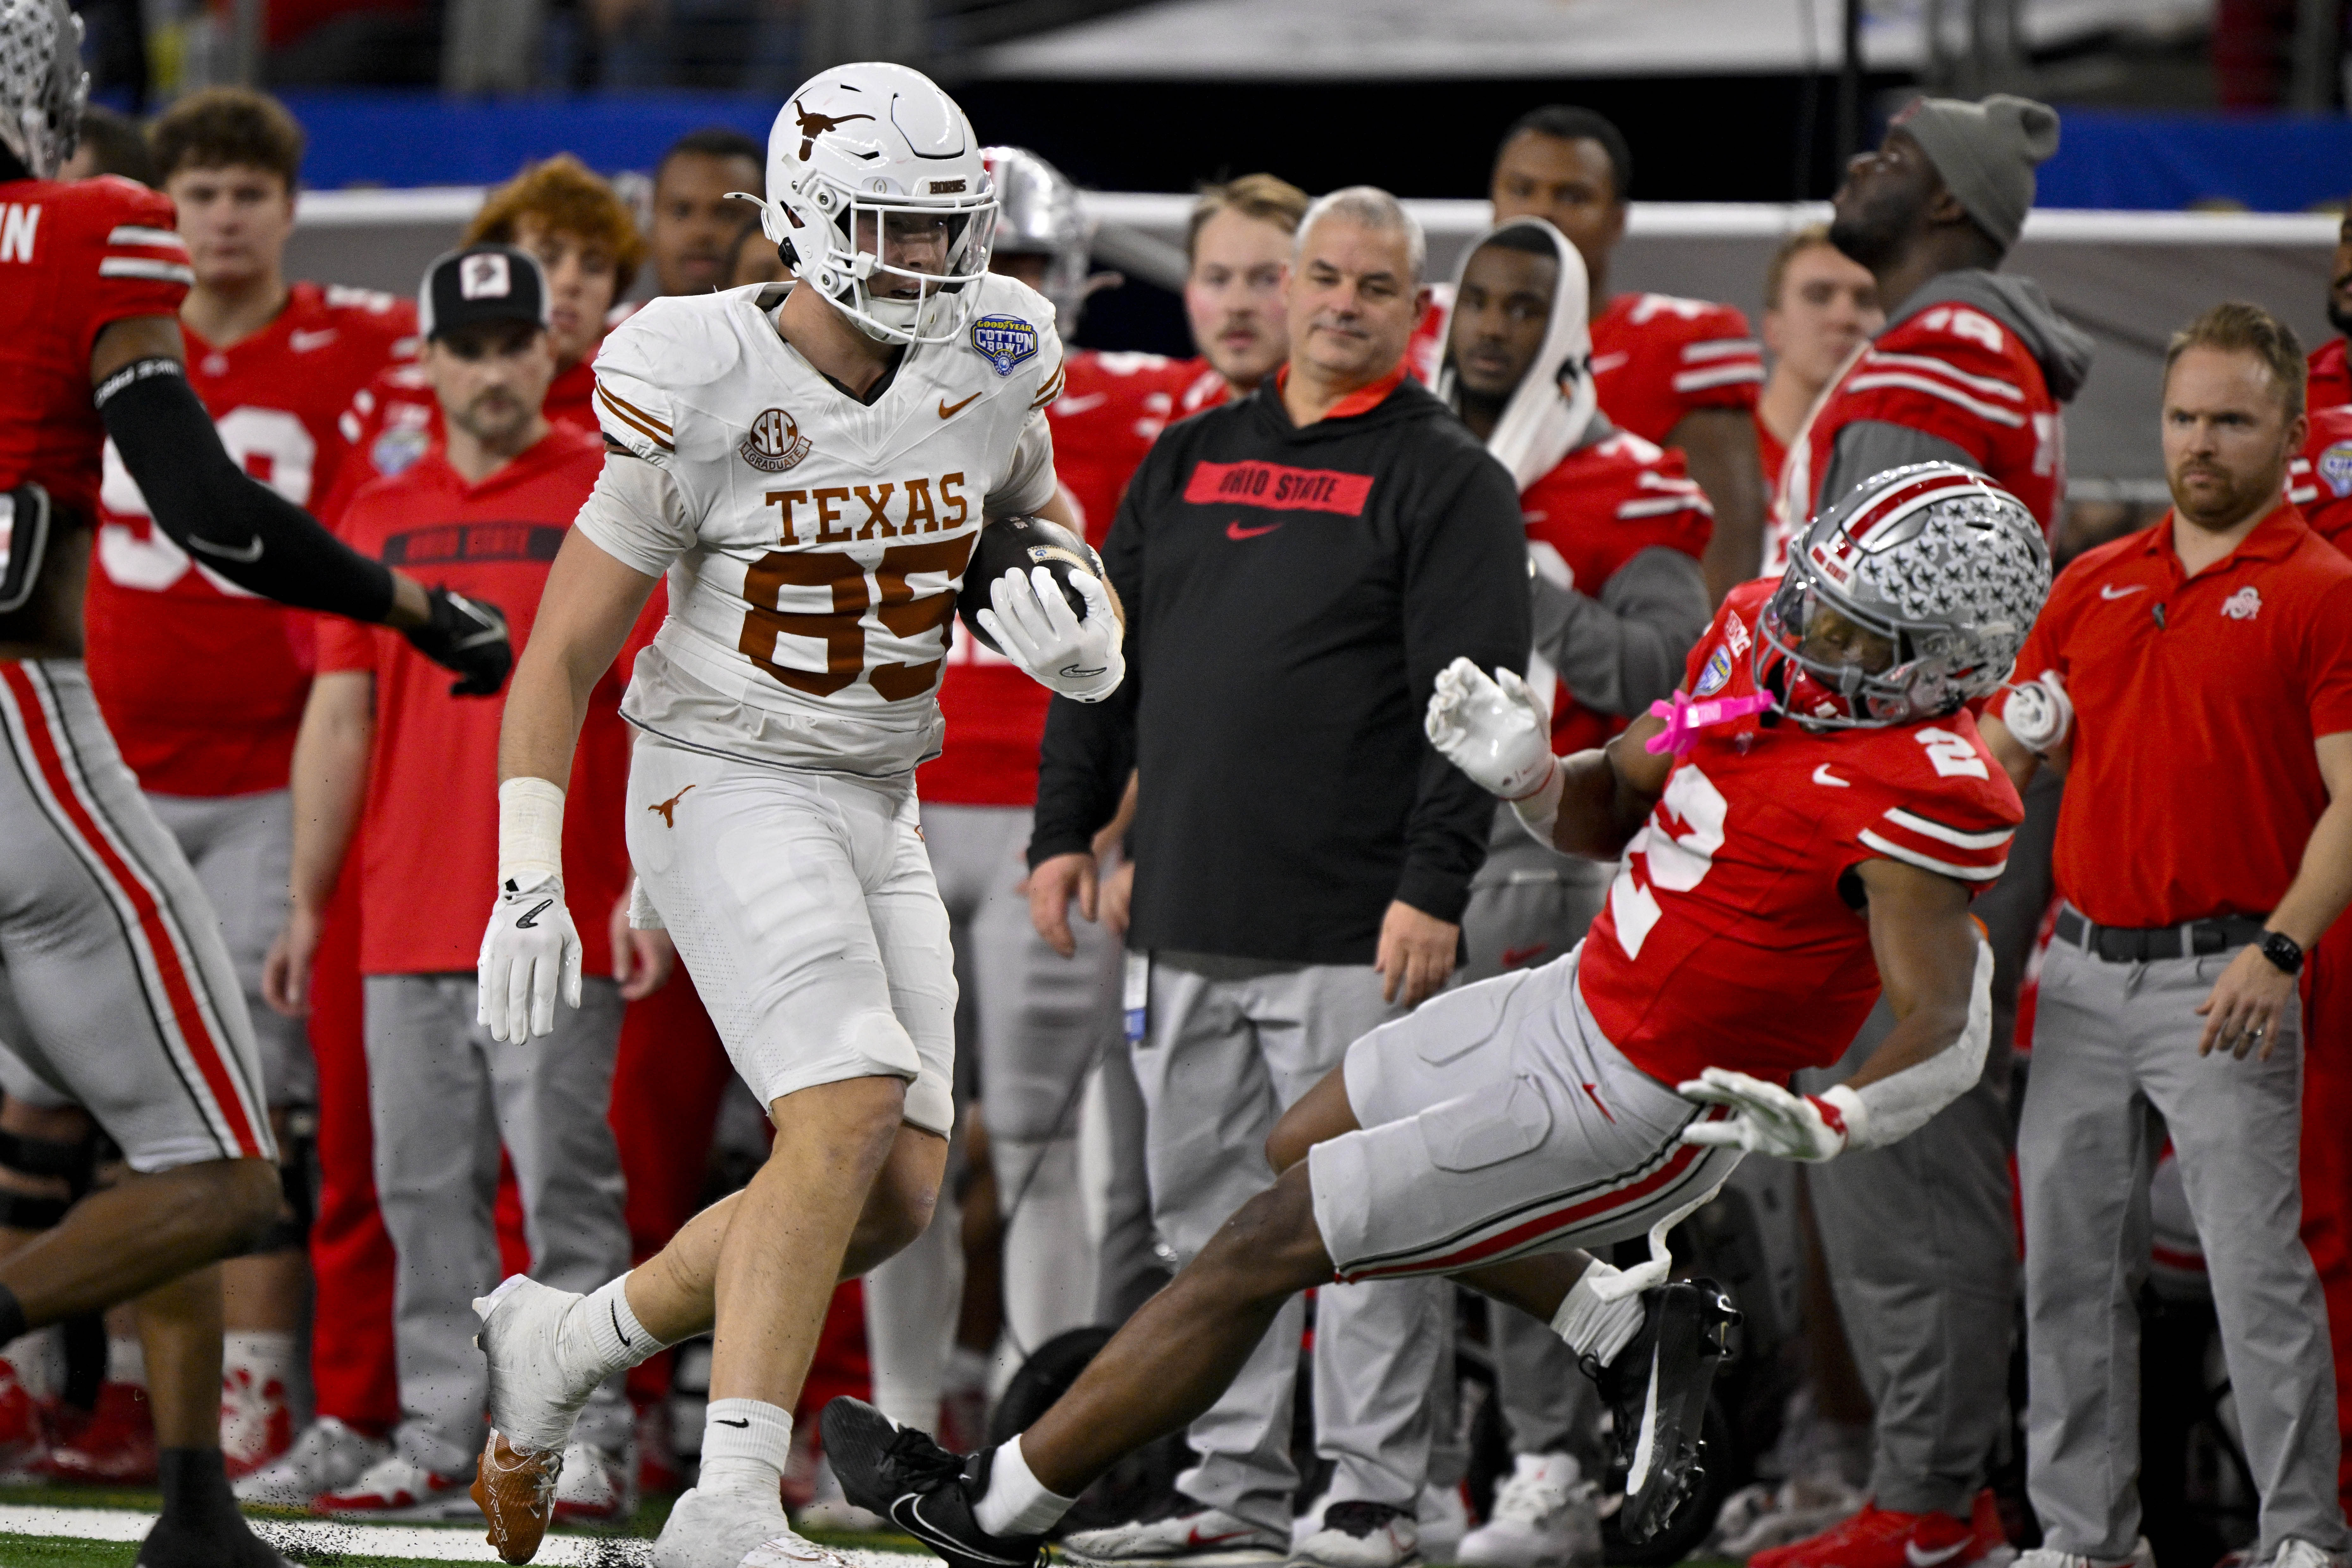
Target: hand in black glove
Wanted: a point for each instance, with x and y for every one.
(467, 636)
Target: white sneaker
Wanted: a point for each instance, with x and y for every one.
(327, 1457)
(598, 1486)
(1359, 1534)
(736, 1530)
(2142, 1557)
(1444, 1522)
(2304, 1555)
(533, 1399)
(397, 1488)
(1206, 1539)
(1545, 1516)
(829, 1509)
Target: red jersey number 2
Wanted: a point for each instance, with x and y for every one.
(1674, 851)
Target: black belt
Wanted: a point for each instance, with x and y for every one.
(2128, 944)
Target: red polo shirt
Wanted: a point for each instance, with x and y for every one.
(2192, 785)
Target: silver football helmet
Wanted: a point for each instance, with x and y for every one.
(1040, 214)
(42, 84)
(1907, 598)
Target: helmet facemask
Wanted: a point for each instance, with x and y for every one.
(42, 84)
(902, 268)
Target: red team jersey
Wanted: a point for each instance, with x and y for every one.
(1599, 508)
(74, 259)
(2320, 480)
(1952, 371)
(1656, 358)
(201, 682)
(393, 419)
(2330, 377)
(434, 778)
(1727, 939)
(1112, 407)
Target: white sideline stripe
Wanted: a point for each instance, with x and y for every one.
(1937, 389)
(133, 233)
(1726, 375)
(450, 1544)
(135, 266)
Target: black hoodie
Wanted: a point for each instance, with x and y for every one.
(1291, 594)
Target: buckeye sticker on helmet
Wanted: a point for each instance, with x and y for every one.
(774, 442)
(1003, 341)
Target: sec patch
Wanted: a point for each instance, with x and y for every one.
(1003, 341)
(2334, 465)
(1718, 671)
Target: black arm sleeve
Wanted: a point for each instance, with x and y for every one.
(209, 506)
(1465, 594)
(1089, 747)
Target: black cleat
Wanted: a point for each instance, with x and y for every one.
(905, 1476)
(227, 1543)
(1657, 1388)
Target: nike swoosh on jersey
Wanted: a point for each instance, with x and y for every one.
(1233, 530)
(1919, 1559)
(1821, 775)
(1515, 956)
(2109, 591)
(252, 550)
(949, 410)
(303, 343)
(531, 921)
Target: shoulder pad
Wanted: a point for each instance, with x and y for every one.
(674, 344)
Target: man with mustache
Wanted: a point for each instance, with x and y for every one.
(385, 746)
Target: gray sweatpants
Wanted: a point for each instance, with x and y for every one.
(1229, 1045)
(1528, 907)
(444, 1096)
(2114, 1050)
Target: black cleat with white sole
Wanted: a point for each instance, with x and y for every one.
(905, 1476)
(1657, 1390)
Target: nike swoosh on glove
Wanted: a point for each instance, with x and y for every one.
(1771, 1120)
(469, 636)
(1493, 728)
(1035, 626)
(531, 950)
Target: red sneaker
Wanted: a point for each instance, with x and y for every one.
(116, 1446)
(20, 1420)
(1884, 1538)
(256, 1422)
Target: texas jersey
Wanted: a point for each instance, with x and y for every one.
(2319, 481)
(814, 542)
(1112, 407)
(1656, 358)
(201, 682)
(1599, 506)
(1733, 936)
(1952, 371)
(74, 259)
(395, 419)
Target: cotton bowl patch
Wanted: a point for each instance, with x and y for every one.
(1718, 671)
(1003, 341)
(2334, 465)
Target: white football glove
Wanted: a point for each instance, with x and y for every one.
(1493, 730)
(1032, 622)
(1772, 1120)
(531, 950)
(2039, 714)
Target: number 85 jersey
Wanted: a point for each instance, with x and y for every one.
(1734, 935)
(814, 542)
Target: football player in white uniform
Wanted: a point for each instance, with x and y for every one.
(811, 465)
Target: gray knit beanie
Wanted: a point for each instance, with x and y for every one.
(1986, 152)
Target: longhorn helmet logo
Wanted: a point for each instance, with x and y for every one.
(815, 125)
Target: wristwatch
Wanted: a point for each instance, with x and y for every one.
(2283, 950)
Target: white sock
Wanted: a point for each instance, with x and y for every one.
(745, 1444)
(126, 1361)
(1017, 1503)
(1592, 1326)
(610, 1338)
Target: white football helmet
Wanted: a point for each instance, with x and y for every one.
(42, 84)
(877, 183)
(1040, 214)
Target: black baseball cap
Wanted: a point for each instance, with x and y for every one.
(482, 283)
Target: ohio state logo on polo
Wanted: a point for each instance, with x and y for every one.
(774, 442)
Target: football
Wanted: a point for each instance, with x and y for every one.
(1020, 543)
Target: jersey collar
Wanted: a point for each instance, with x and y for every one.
(1363, 400)
(2272, 539)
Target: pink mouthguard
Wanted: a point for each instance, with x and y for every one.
(1684, 719)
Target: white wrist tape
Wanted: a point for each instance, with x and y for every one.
(1539, 811)
(531, 831)
(1901, 1103)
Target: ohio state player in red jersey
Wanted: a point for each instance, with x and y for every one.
(2329, 383)
(1813, 828)
(128, 1000)
(2319, 481)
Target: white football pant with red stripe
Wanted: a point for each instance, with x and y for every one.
(130, 1003)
